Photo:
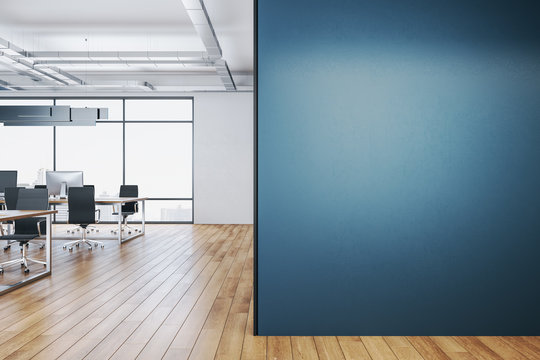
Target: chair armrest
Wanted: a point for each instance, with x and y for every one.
(38, 227)
(99, 215)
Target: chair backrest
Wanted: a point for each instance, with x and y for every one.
(81, 205)
(8, 178)
(32, 199)
(10, 196)
(129, 191)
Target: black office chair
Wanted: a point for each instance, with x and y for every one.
(82, 211)
(79, 228)
(128, 209)
(10, 198)
(28, 229)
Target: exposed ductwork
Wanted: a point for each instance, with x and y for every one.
(4, 85)
(44, 65)
(15, 58)
(201, 21)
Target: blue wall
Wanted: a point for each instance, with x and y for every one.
(398, 167)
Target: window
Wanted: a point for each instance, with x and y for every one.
(147, 142)
(101, 160)
(159, 155)
(159, 110)
(31, 148)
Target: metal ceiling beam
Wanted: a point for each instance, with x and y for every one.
(118, 55)
(201, 21)
(200, 62)
(14, 58)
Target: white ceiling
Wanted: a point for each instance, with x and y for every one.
(131, 25)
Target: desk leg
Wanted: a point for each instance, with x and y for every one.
(48, 242)
(143, 215)
(120, 224)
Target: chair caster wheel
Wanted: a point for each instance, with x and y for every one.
(6, 248)
(77, 245)
(64, 247)
(70, 248)
(102, 246)
(95, 245)
(26, 271)
(1, 271)
(89, 248)
(97, 230)
(129, 232)
(22, 265)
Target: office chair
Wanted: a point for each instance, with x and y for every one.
(89, 227)
(82, 211)
(128, 208)
(28, 229)
(10, 197)
(8, 178)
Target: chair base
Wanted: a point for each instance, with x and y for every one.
(78, 229)
(23, 261)
(126, 228)
(83, 240)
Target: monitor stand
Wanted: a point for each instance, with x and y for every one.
(63, 190)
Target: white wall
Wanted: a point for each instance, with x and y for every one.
(223, 166)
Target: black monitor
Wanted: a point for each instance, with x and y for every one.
(8, 178)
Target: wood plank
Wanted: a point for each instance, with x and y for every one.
(328, 348)
(525, 347)
(402, 348)
(279, 348)
(303, 348)
(501, 348)
(377, 348)
(427, 348)
(254, 347)
(353, 348)
(476, 348)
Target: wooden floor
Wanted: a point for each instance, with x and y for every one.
(184, 291)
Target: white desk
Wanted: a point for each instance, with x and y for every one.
(9, 215)
(118, 201)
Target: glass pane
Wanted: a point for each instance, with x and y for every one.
(27, 149)
(159, 159)
(96, 150)
(115, 106)
(165, 210)
(150, 109)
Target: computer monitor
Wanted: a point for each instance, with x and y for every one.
(8, 178)
(58, 182)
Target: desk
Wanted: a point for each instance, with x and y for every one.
(119, 201)
(9, 215)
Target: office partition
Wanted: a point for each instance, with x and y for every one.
(398, 168)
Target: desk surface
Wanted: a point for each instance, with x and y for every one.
(106, 200)
(7, 215)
